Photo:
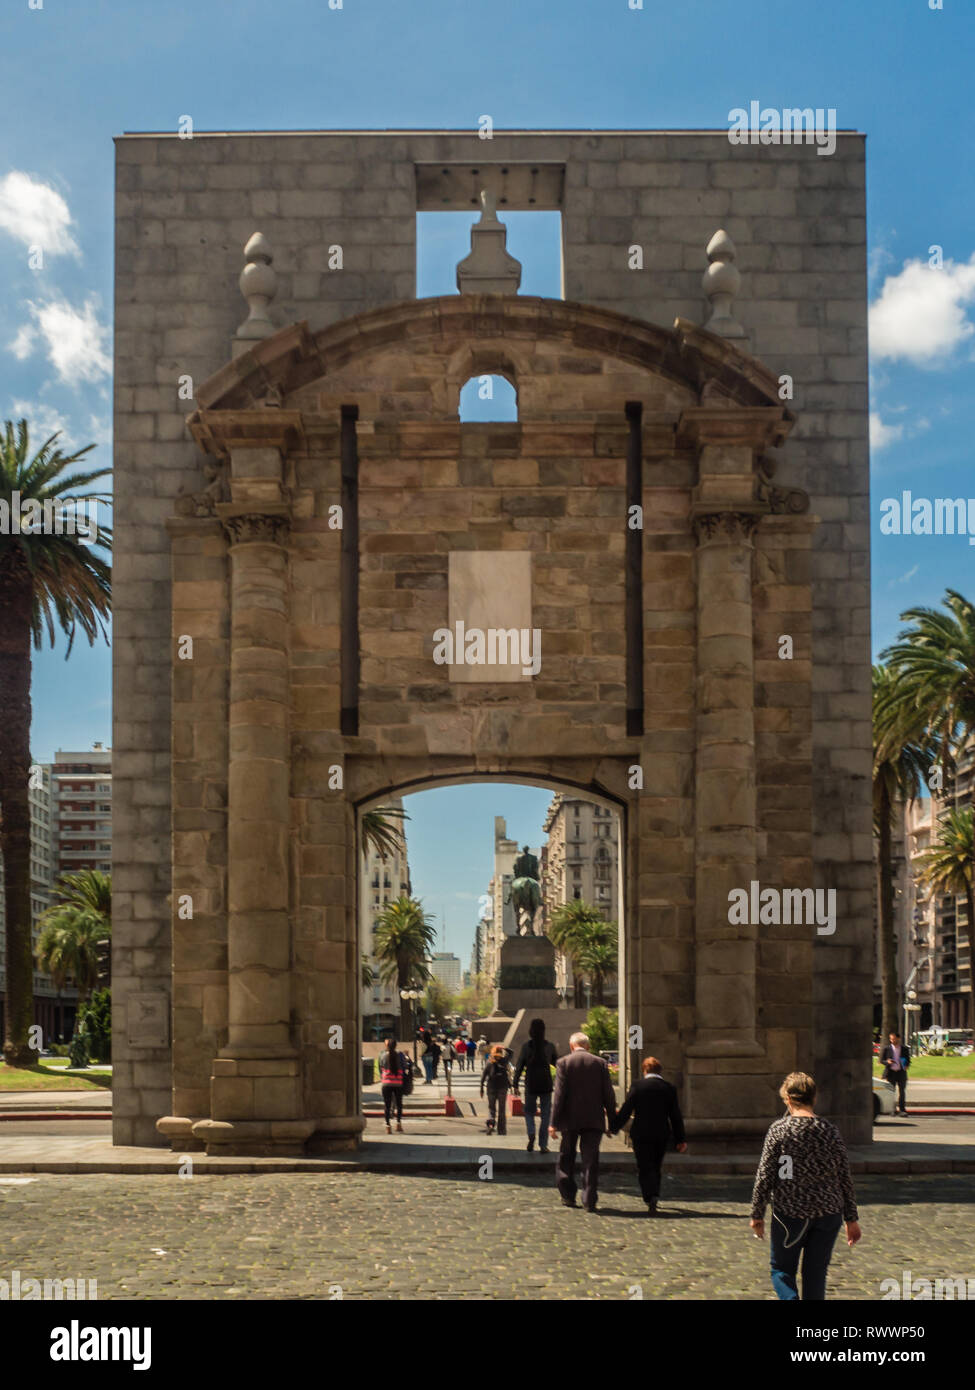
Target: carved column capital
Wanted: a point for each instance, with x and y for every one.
(734, 526)
(243, 527)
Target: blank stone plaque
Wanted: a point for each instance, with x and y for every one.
(489, 589)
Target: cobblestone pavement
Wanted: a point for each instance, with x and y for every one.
(400, 1236)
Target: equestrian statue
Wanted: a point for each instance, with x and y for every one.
(525, 894)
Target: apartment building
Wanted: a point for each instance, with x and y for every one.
(499, 921)
(934, 936)
(446, 969)
(381, 881)
(580, 860)
(54, 1009)
(81, 803)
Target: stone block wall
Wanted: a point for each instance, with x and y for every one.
(184, 210)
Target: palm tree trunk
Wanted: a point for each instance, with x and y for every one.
(15, 605)
(890, 1006)
(970, 898)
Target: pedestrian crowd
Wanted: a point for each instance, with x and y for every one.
(803, 1173)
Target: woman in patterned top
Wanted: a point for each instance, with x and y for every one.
(805, 1173)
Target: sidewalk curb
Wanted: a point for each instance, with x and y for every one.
(27, 1114)
(171, 1164)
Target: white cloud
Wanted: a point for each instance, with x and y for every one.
(880, 434)
(36, 214)
(920, 312)
(907, 576)
(74, 338)
(23, 345)
(43, 420)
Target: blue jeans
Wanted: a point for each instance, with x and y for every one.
(428, 1066)
(813, 1238)
(544, 1099)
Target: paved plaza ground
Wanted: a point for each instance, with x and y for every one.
(411, 1217)
(442, 1236)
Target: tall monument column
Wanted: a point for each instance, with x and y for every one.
(726, 511)
(256, 1085)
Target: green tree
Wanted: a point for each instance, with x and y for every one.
(379, 832)
(904, 753)
(46, 580)
(590, 943)
(599, 959)
(935, 662)
(405, 936)
(947, 867)
(439, 1001)
(476, 999)
(95, 1023)
(602, 1028)
(69, 944)
(368, 976)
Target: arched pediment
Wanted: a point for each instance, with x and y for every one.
(711, 368)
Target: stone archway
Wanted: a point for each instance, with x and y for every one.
(567, 779)
(315, 686)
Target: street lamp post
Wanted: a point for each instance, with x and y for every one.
(412, 995)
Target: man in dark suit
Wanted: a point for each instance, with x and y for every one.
(653, 1104)
(895, 1060)
(582, 1105)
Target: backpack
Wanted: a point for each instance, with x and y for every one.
(407, 1074)
(499, 1074)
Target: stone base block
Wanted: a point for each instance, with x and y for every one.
(178, 1129)
(255, 1089)
(255, 1138)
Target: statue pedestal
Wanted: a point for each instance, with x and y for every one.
(526, 979)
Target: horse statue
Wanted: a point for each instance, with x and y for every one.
(525, 894)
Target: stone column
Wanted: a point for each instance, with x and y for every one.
(256, 1086)
(258, 789)
(725, 808)
(725, 514)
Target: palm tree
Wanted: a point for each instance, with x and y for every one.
(405, 936)
(904, 752)
(579, 931)
(599, 960)
(69, 944)
(947, 867)
(46, 579)
(378, 832)
(367, 974)
(936, 661)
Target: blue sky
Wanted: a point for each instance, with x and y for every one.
(75, 75)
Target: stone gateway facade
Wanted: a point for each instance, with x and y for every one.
(680, 514)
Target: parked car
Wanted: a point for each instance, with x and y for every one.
(884, 1097)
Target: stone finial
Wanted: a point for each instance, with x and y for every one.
(488, 269)
(721, 283)
(258, 284)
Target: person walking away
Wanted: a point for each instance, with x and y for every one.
(447, 1057)
(582, 1105)
(460, 1053)
(471, 1053)
(653, 1106)
(895, 1058)
(805, 1173)
(483, 1050)
(394, 1068)
(496, 1076)
(536, 1060)
(434, 1058)
(426, 1056)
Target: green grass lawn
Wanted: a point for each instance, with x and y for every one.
(938, 1068)
(47, 1078)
